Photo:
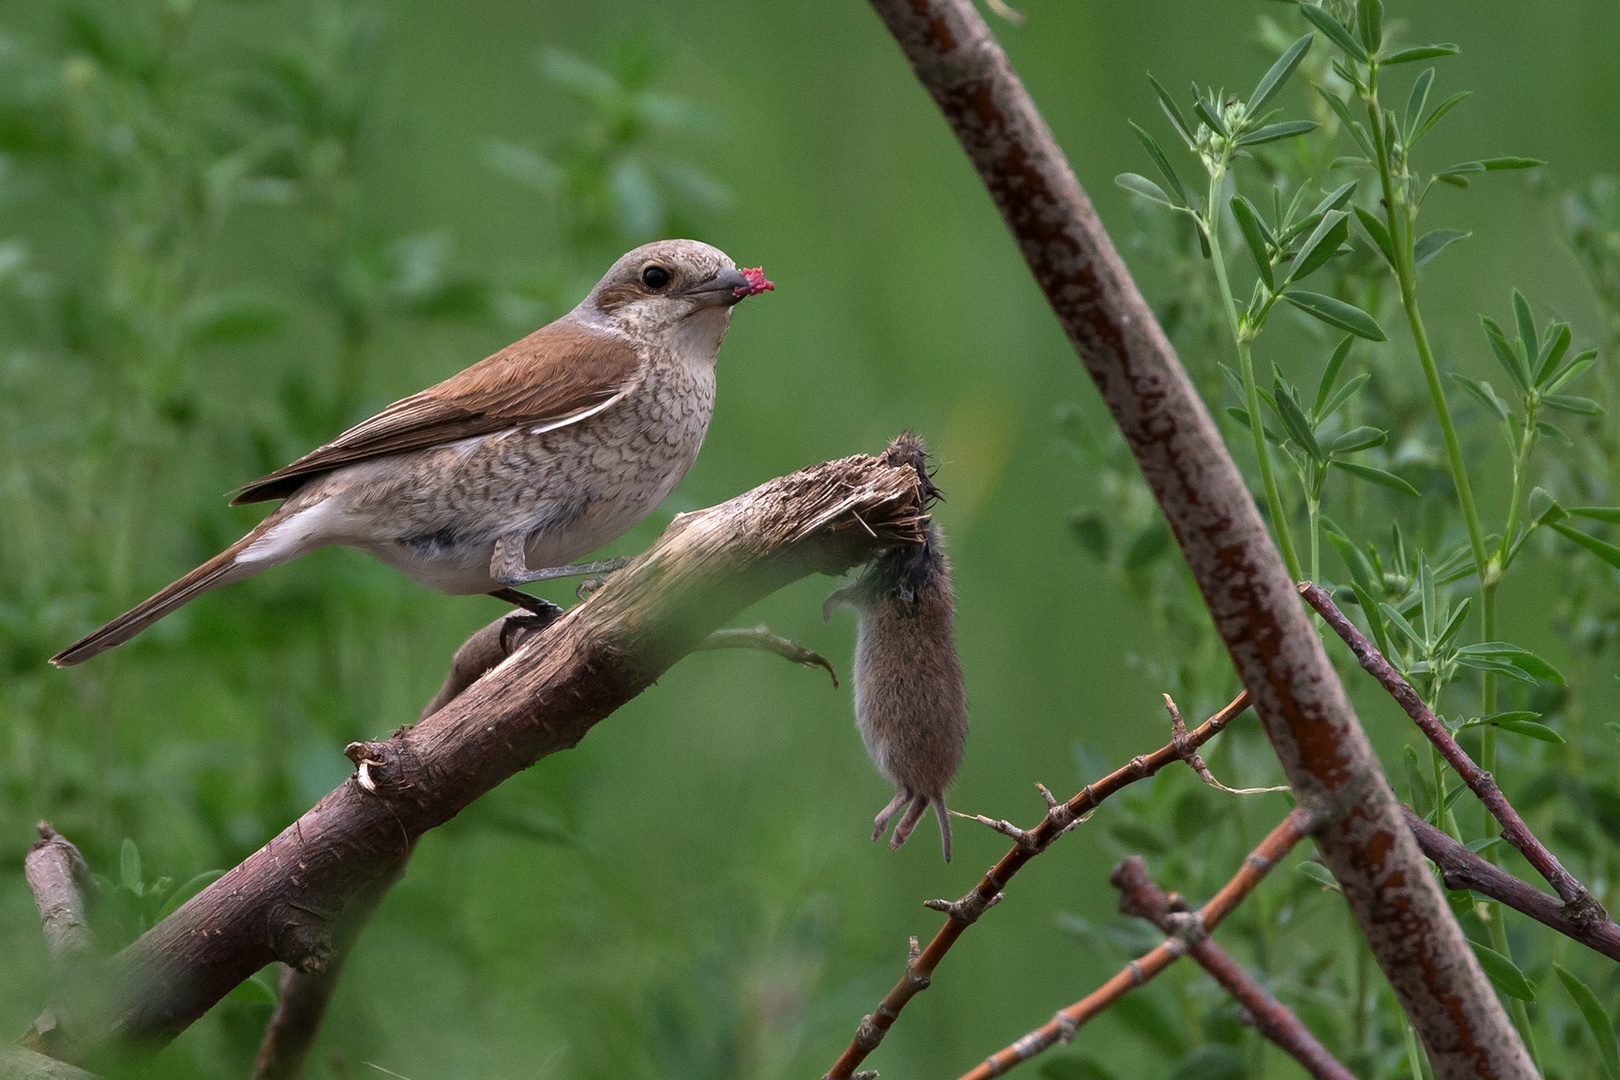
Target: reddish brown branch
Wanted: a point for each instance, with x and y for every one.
(1579, 904)
(1462, 869)
(1060, 818)
(283, 902)
(1323, 750)
(1190, 929)
(1140, 896)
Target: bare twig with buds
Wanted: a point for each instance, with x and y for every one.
(1140, 895)
(1027, 843)
(1190, 929)
(1315, 733)
(1579, 904)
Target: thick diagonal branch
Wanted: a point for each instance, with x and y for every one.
(1318, 739)
(282, 902)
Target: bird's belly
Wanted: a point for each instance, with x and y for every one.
(567, 492)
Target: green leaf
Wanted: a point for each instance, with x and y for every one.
(1462, 168)
(1351, 124)
(1137, 184)
(1254, 235)
(1212, 1061)
(1611, 514)
(1370, 23)
(1333, 31)
(1597, 1021)
(1504, 973)
(1168, 104)
(1510, 361)
(1299, 428)
(1500, 164)
(1554, 344)
(1580, 406)
(1336, 312)
(1210, 116)
(1329, 374)
(1335, 199)
(1285, 129)
(1398, 621)
(1163, 164)
(1433, 243)
(1242, 417)
(1319, 874)
(187, 891)
(1607, 552)
(1322, 245)
(1361, 438)
(1421, 52)
(1273, 79)
(129, 866)
(1379, 235)
(1418, 98)
(1531, 729)
(1434, 117)
(1456, 622)
(1544, 509)
(1575, 368)
(1376, 476)
(1500, 667)
(1483, 392)
(253, 991)
(1532, 664)
(1348, 391)
(1526, 323)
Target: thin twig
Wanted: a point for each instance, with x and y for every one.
(760, 637)
(1060, 818)
(1462, 869)
(1192, 928)
(1579, 904)
(1189, 754)
(1140, 896)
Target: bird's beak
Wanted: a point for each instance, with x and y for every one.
(726, 288)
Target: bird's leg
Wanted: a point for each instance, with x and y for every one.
(885, 815)
(510, 566)
(902, 831)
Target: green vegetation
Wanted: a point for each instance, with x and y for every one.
(231, 228)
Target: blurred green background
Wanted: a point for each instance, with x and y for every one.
(229, 230)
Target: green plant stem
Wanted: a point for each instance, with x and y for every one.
(1398, 216)
(1251, 391)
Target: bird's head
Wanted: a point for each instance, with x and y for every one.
(682, 288)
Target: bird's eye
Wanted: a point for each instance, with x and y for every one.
(655, 277)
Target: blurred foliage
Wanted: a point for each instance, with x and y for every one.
(230, 229)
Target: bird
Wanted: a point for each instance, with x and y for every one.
(910, 704)
(557, 444)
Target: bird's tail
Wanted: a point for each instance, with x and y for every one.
(222, 569)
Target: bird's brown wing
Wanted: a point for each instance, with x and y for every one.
(557, 375)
